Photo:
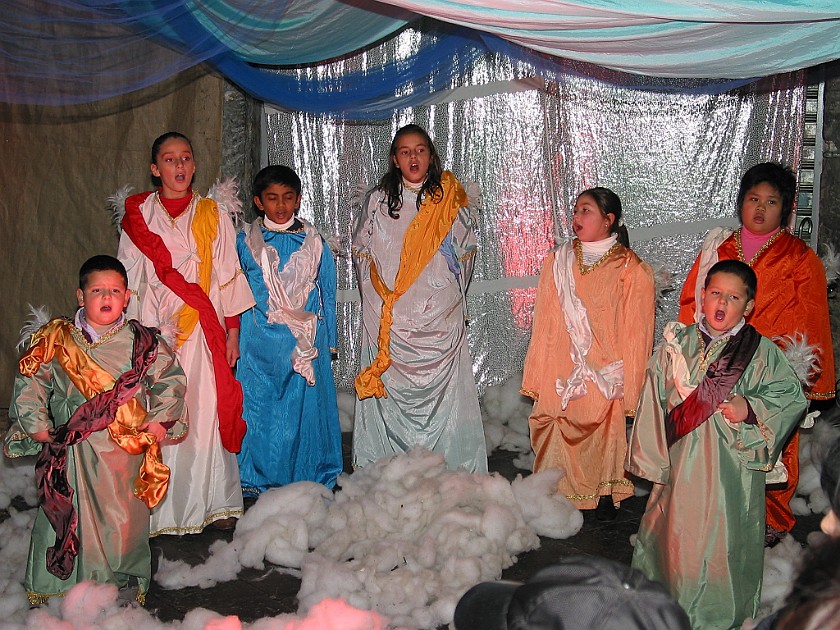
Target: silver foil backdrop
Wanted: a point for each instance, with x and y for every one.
(675, 158)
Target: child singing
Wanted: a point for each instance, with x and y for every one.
(95, 398)
(286, 342)
(718, 403)
(414, 249)
(791, 303)
(592, 337)
(180, 253)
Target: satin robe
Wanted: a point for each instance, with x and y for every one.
(113, 525)
(702, 533)
(204, 486)
(432, 400)
(588, 439)
(293, 429)
(791, 297)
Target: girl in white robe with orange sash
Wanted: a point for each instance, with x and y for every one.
(414, 248)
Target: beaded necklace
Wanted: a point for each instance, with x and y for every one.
(173, 220)
(704, 353)
(582, 267)
(761, 249)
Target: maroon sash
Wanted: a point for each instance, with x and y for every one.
(716, 385)
(55, 494)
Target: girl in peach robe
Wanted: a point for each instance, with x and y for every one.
(592, 337)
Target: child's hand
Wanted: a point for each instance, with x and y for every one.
(156, 429)
(42, 436)
(232, 349)
(734, 408)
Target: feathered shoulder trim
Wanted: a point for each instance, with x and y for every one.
(475, 199)
(358, 197)
(226, 195)
(39, 316)
(224, 192)
(803, 357)
(116, 205)
(831, 261)
(663, 281)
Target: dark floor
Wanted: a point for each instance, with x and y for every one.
(257, 594)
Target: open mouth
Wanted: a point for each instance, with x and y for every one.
(719, 316)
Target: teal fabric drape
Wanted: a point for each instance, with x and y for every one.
(58, 52)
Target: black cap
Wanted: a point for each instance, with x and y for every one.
(577, 593)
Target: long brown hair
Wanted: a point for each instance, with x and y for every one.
(391, 182)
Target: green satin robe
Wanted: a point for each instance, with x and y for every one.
(113, 525)
(702, 534)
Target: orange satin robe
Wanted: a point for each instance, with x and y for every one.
(792, 297)
(588, 439)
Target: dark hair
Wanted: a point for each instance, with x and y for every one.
(158, 143)
(391, 182)
(737, 268)
(101, 262)
(609, 203)
(814, 600)
(830, 476)
(275, 174)
(779, 176)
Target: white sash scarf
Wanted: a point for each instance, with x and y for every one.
(289, 289)
(610, 378)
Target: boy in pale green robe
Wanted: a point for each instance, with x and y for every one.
(711, 422)
(93, 519)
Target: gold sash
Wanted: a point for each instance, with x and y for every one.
(56, 339)
(422, 240)
(204, 227)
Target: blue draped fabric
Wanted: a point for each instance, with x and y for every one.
(59, 52)
(293, 428)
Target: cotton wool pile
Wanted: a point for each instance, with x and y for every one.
(403, 538)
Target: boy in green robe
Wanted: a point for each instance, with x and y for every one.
(718, 403)
(94, 399)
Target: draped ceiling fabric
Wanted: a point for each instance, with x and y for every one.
(60, 52)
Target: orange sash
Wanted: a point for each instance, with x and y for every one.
(422, 240)
(56, 340)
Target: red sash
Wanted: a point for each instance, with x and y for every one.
(228, 390)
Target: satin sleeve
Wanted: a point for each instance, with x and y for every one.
(362, 233)
(29, 412)
(775, 395)
(647, 451)
(135, 264)
(327, 285)
(166, 388)
(636, 328)
(546, 322)
(236, 296)
(465, 243)
(688, 302)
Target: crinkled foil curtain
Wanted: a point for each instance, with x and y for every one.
(533, 144)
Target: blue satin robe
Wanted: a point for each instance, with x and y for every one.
(293, 429)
